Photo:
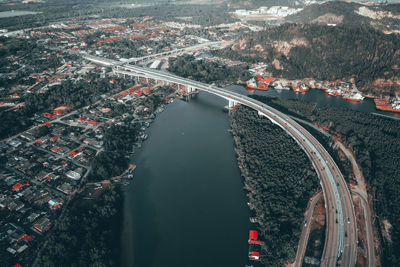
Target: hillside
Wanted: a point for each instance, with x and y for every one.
(381, 17)
(363, 55)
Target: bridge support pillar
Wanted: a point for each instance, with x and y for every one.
(190, 90)
(261, 114)
(232, 103)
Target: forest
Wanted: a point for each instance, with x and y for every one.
(375, 141)
(86, 234)
(207, 71)
(361, 53)
(279, 180)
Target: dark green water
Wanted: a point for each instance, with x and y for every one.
(186, 205)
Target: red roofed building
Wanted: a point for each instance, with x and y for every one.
(26, 237)
(256, 242)
(139, 37)
(17, 187)
(55, 149)
(255, 255)
(93, 122)
(54, 138)
(253, 235)
(74, 153)
(147, 90)
(47, 115)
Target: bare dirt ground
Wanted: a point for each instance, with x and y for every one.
(329, 18)
(315, 245)
(360, 217)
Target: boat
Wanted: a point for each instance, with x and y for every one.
(259, 83)
(386, 105)
(357, 97)
(330, 92)
(302, 88)
(280, 87)
(333, 92)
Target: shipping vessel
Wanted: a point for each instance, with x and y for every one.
(259, 83)
(386, 105)
(279, 86)
(302, 88)
(357, 97)
(333, 92)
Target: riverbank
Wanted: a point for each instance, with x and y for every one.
(279, 180)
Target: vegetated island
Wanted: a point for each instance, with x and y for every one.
(279, 179)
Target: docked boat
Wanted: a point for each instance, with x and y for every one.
(333, 92)
(279, 86)
(357, 97)
(302, 88)
(259, 83)
(386, 105)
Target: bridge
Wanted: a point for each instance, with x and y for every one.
(179, 51)
(341, 236)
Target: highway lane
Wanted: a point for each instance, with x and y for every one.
(337, 196)
(179, 51)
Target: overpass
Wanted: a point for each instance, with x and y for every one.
(179, 51)
(341, 237)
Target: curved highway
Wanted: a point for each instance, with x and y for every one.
(341, 236)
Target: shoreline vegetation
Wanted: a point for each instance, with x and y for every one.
(279, 181)
(84, 235)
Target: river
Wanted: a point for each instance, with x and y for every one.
(321, 99)
(186, 205)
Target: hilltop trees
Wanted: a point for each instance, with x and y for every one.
(206, 71)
